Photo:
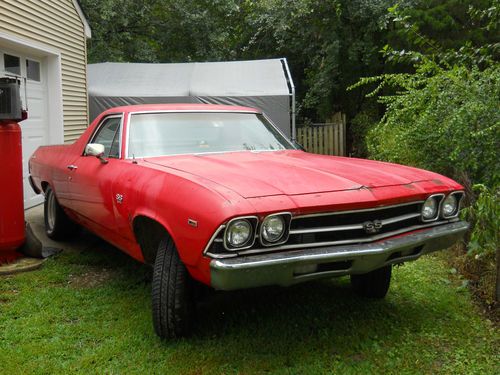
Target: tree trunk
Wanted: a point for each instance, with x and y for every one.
(497, 296)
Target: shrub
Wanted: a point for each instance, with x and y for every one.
(446, 120)
(485, 214)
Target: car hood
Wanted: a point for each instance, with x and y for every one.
(259, 174)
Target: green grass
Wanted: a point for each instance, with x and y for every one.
(89, 312)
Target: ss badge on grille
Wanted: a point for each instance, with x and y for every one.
(372, 227)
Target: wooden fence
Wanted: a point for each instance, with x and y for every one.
(326, 139)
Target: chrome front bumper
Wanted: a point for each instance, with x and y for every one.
(291, 267)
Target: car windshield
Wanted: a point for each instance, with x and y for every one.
(175, 133)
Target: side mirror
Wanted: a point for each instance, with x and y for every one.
(97, 150)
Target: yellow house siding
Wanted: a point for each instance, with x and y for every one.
(57, 24)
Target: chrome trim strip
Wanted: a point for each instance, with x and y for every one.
(354, 211)
(216, 233)
(99, 126)
(221, 255)
(193, 111)
(400, 218)
(340, 228)
(278, 130)
(145, 157)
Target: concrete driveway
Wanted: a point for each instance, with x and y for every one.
(81, 242)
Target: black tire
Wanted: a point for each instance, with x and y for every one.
(172, 293)
(58, 225)
(374, 284)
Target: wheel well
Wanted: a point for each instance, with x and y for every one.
(148, 234)
(44, 184)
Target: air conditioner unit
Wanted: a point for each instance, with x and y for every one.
(10, 99)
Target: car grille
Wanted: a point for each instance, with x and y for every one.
(352, 226)
(337, 228)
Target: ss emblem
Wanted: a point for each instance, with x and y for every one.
(372, 227)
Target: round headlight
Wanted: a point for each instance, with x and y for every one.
(239, 233)
(450, 206)
(273, 228)
(429, 209)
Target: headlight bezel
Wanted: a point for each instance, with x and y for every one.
(459, 195)
(439, 199)
(253, 220)
(287, 218)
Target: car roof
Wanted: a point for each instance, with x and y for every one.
(181, 107)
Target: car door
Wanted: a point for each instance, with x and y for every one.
(92, 179)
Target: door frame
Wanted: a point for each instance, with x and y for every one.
(51, 74)
(52, 59)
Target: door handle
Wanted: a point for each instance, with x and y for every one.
(72, 167)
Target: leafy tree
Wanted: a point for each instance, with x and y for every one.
(163, 31)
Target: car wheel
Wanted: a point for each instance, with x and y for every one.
(58, 225)
(172, 293)
(374, 284)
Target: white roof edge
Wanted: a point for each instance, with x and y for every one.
(86, 26)
(188, 63)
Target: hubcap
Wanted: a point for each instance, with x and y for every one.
(51, 211)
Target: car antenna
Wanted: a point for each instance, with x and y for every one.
(133, 159)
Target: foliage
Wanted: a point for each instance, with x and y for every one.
(162, 31)
(445, 116)
(443, 119)
(329, 44)
(434, 26)
(485, 214)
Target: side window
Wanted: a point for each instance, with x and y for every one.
(108, 135)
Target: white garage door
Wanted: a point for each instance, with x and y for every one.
(35, 129)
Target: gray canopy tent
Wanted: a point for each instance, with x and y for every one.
(263, 84)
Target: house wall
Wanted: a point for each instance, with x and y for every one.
(58, 25)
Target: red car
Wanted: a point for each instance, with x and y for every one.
(218, 195)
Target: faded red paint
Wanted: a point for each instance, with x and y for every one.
(212, 189)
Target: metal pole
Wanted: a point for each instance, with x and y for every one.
(292, 90)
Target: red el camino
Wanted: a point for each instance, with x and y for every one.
(217, 195)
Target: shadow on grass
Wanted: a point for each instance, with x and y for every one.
(258, 319)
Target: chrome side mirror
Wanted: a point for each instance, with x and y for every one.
(97, 150)
(94, 149)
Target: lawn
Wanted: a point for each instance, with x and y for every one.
(89, 312)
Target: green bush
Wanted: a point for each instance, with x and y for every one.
(446, 120)
(485, 214)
